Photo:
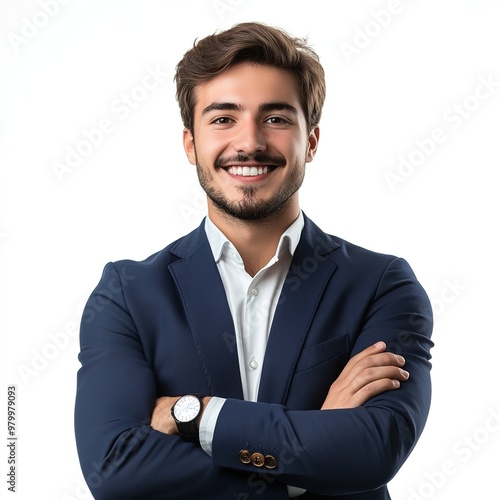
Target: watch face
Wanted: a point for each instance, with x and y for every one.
(187, 408)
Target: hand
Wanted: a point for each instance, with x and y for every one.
(366, 375)
(161, 419)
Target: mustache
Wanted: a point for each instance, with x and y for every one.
(258, 158)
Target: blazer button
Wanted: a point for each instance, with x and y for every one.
(245, 457)
(257, 459)
(270, 462)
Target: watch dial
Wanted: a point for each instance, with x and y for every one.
(187, 408)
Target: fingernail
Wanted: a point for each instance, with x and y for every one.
(405, 374)
(401, 360)
(379, 345)
(396, 383)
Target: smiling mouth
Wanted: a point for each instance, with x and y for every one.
(248, 166)
(252, 171)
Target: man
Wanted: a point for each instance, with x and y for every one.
(257, 357)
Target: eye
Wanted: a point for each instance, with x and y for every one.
(222, 120)
(277, 120)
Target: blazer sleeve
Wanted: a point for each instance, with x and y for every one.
(336, 452)
(120, 454)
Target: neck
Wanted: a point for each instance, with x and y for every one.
(256, 241)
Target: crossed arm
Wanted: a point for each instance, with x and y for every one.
(366, 375)
(126, 437)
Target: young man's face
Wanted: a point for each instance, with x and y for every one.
(250, 141)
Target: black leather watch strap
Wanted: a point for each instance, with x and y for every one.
(189, 430)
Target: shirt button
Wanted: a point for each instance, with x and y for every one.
(255, 292)
(253, 364)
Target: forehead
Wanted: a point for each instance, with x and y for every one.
(249, 85)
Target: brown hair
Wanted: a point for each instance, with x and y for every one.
(256, 43)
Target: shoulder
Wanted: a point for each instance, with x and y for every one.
(354, 263)
(155, 265)
(340, 250)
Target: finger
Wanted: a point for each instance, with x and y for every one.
(376, 350)
(381, 359)
(374, 374)
(378, 347)
(373, 349)
(371, 390)
(367, 363)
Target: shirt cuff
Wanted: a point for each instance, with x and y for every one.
(207, 430)
(208, 422)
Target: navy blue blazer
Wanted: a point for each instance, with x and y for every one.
(163, 327)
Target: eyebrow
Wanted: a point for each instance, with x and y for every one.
(264, 107)
(278, 106)
(221, 106)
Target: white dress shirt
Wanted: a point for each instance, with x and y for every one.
(252, 302)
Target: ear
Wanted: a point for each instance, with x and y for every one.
(312, 144)
(188, 141)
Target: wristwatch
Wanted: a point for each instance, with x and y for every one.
(185, 412)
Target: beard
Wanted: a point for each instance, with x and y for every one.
(250, 208)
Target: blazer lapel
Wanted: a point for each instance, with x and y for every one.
(309, 273)
(208, 314)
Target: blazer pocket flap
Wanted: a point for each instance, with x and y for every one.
(315, 355)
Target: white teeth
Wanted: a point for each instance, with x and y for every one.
(248, 171)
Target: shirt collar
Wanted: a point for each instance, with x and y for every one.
(219, 243)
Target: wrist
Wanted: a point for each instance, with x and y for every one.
(187, 412)
(204, 402)
(211, 412)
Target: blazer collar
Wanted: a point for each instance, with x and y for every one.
(310, 271)
(288, 240)
(207, 310)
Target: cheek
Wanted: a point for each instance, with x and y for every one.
(296, 155)
(291, 146)
(210, 147)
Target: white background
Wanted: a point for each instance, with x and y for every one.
(134, 192)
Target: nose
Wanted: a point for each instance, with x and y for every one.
(250, 138)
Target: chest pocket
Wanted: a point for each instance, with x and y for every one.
(315, 355)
